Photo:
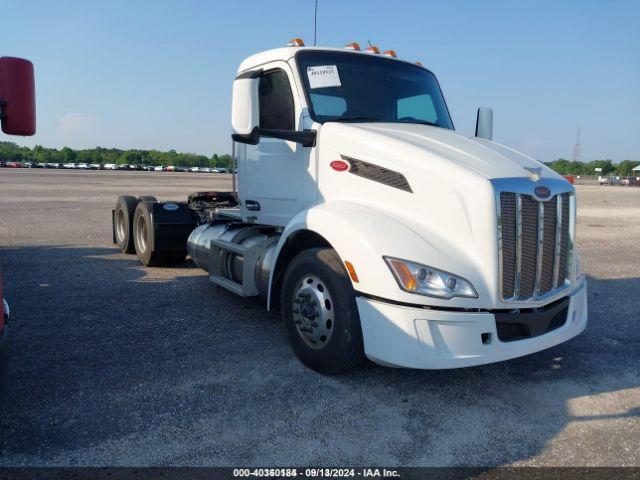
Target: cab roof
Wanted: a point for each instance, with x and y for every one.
(286, 53)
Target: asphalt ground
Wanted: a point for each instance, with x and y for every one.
(115, 364)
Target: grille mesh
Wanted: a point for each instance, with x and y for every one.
(529, 246)
(548, 245)
(508, 219)
(564, 242)
(528, 276)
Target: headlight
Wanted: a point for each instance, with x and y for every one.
(425, 280)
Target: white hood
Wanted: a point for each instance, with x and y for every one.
(488, 159)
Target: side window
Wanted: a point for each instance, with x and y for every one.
(276, 101)
(420, 107)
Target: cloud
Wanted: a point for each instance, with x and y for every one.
(80, 128)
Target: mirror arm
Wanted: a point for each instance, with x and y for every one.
(306, 137)
(252, 138)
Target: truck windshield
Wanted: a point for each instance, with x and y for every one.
(347, 87)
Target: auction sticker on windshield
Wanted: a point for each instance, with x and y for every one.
(323, 76)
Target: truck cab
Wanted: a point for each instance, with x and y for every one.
(379, 231)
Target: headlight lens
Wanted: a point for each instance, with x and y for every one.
(424, 280)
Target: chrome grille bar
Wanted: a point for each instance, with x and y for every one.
(556, 263)
(536, 288)
(516, 286)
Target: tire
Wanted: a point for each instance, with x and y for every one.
(143, 237)
(123, 223)
(317, 300)
(147, 198)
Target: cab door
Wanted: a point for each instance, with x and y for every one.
(270, 173)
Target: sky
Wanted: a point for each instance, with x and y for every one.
(158, 74)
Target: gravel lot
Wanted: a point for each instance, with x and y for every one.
(114, 364)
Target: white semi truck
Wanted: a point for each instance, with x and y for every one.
(375, 228)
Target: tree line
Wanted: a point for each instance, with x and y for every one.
(11, 152)
(569, 167)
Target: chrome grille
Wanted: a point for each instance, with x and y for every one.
(534, 245)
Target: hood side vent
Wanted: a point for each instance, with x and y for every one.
(378, 174)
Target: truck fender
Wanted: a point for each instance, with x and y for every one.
(363, 236)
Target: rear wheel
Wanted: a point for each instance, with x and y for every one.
(320, 312)
(123, 223)
(143, 237)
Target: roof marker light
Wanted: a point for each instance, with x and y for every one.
(296, 42)
(353, 46)
(390, 53)
(372, 49)
(419, 64)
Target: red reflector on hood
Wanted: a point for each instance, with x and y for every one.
(339, 165)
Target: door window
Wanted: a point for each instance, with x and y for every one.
(276, 101)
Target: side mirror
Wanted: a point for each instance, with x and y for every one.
(484, 123)
(17, 96)
(245, 116)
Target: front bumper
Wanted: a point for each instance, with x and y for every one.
(412, 337)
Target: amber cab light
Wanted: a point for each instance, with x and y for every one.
(372, 49)
(296, 42)
(353, 46)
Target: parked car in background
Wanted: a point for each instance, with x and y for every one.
(123, 166)
(38, 165)
(193, 169)
(608, 181)
(204, 170)
(181, 169)
(110, 166)
(27, 165)
(70, 165)
(14, 165)
(170, 168)
(83, 166)
(159, 168)
(3, 164)
(95, 166)
(629, 181)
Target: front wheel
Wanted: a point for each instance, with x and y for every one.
(320, 312)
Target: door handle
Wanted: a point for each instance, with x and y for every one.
(252, 205)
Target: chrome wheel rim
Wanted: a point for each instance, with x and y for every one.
(120, 227)
(141, 233)
(313, 314)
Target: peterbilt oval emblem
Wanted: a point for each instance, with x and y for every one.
(170, 207)
(542, 192)
(339, 165)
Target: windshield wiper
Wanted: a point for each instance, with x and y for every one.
(355, 118)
